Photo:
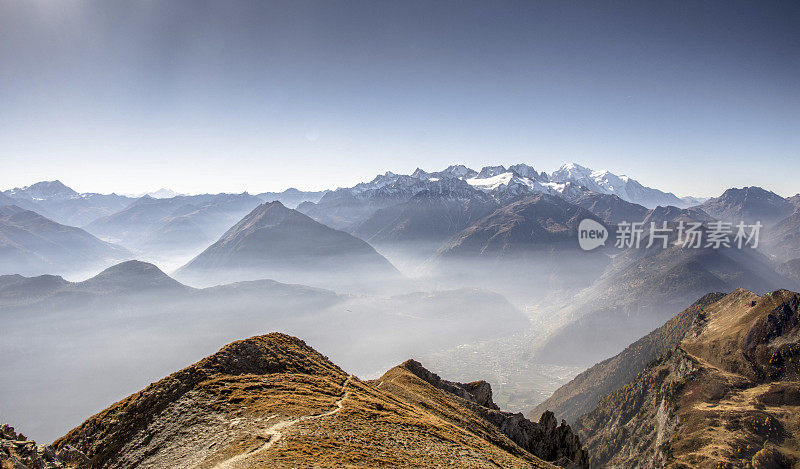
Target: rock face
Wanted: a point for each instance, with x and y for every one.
(727, 395)
(478, 392)
(546, 439)
(273, 401)
(18, 452)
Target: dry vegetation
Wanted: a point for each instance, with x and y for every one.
(272, 401)
(727, 396)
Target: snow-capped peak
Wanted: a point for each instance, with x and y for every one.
(606, 182)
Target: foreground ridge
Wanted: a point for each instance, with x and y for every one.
(273, 401)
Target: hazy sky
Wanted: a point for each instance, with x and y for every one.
(200, 96)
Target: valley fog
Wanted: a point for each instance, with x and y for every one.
(80, 349)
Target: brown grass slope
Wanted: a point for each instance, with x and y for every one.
(272, 401)
(581, 395)
(727, 396)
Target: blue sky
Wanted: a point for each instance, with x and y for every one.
(201, 96)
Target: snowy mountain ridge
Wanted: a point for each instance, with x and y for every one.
(570, 180)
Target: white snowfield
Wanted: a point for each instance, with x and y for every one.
(569, 180)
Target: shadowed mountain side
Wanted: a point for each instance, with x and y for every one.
(31, 244)
(23, 204)
(727, 395)
(782, 240)
(642, 289)
(292, 408)
(415, 229)
(540, 223)
(791, 269)
(276, 242)
(672, 215)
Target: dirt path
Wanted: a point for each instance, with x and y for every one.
(274, 433)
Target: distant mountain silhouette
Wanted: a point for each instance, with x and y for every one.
(748, 204)
(131, 276)
(292, 197)
(184, 224)
(33, 244)
(61, 203)
(782, 239)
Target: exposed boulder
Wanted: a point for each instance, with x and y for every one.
(18, 452)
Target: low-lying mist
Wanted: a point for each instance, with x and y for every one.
(73, 349)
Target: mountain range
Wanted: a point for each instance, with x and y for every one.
(55, 200)
(182, 224)
(345, 207)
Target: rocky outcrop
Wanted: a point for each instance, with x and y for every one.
(478, 392)
(546, 439)
(18, 452)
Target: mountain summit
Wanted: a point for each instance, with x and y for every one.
(749, 204)
(277, 242)
(45, 190)
(131, 276)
